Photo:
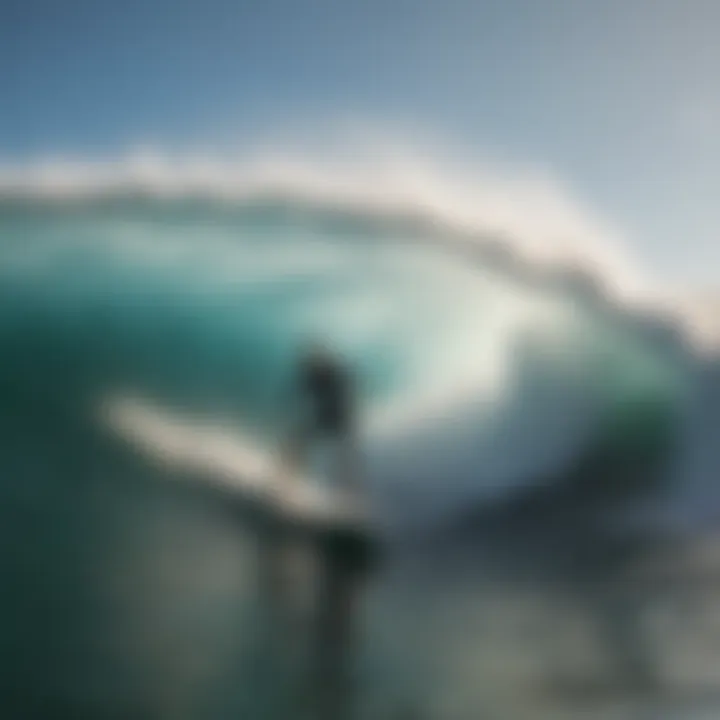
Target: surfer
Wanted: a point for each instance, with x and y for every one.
(326, 408)
(345, 552)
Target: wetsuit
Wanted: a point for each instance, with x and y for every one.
(326, 388)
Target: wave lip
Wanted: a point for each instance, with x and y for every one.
(521, 222)
(528, 211)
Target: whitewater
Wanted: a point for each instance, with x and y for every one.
(501, 341)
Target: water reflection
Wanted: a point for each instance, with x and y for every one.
(128, 593)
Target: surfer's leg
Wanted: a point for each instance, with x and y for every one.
(334, 636)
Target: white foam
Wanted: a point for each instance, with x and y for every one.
(536, 215)
(528, 210)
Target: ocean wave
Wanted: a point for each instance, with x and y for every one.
(481, 370)
(523, 222)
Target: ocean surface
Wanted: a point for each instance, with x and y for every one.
(483, 379)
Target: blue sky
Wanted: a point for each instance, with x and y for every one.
(618, 98)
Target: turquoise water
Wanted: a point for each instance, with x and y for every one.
(130, 593)
(207, 305)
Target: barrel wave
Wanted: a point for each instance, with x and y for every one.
(480, 376)
(469, 370)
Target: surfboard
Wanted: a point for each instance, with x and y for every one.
(222, 456)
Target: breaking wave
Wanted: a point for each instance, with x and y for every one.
(489, 353)
(500, 338)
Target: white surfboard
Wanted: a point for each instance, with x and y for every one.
(221, 456)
